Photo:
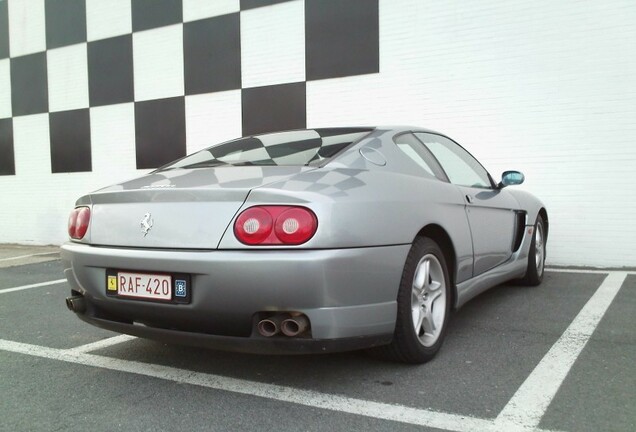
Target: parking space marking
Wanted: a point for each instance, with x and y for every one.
(530, 402)
(343, 404)
(587, 271)
(104, 343)
(523, 412)
(27, 256)
(35, 285)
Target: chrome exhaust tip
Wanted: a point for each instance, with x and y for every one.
(269, 327)
(76, 304)
(295, 325)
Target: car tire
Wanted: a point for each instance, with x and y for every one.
(536, 255)
(423, 305)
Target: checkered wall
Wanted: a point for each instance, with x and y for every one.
(178, 69)
(544, 87)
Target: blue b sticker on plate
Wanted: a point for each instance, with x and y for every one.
(180, 289)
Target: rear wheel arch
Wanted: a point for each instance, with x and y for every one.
(441, 237)
(423, 305)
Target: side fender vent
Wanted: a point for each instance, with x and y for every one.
(520, 228)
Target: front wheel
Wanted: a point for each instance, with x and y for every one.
(536, 255)
(424, 301)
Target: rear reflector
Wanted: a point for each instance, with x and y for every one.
(275, 225)
(78, 222)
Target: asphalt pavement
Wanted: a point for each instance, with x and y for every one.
(558, 357)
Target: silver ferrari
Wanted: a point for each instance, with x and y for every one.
(305, 241)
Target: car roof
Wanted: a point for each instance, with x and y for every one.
(406, 128)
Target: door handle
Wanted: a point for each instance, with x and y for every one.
(469, 199)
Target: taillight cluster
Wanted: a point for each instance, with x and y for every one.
(275, 225)
(78, 222)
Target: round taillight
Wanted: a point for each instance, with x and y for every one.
(253, 226)
(295, 225)
(275, 225)
(78, 222)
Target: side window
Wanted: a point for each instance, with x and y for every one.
(416, 151)
(460, 167)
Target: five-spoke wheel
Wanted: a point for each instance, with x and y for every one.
(428, 300)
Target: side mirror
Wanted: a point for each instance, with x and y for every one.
(511, 178)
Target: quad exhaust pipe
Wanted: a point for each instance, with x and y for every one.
(76, 304)
(289, 325)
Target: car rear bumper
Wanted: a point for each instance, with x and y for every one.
(349, 295)
(252, 345)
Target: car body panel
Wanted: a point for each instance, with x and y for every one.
(229, 287)
(513, 268)
(530, 204)
(189, 208)
(491, 215)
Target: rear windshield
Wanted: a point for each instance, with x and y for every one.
(293, 148)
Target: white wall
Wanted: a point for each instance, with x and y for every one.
(548, 88)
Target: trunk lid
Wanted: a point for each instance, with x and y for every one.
(177, 209)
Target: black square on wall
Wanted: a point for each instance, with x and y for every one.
(29, 87)
(147, 14)
(70, 141)
(342, 38)
(212, 54)
(110, 71)
(274, 108)
(4, 29)
(159, 131)
(65, 22)
(7, 160)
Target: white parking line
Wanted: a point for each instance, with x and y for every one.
(269, 391)
(522, 413)
(104, 343)
(36, 285)
(27, 256)
(530, 402)
(587, 271)
(377, 410)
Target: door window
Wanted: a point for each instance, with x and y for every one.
(460, 167)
